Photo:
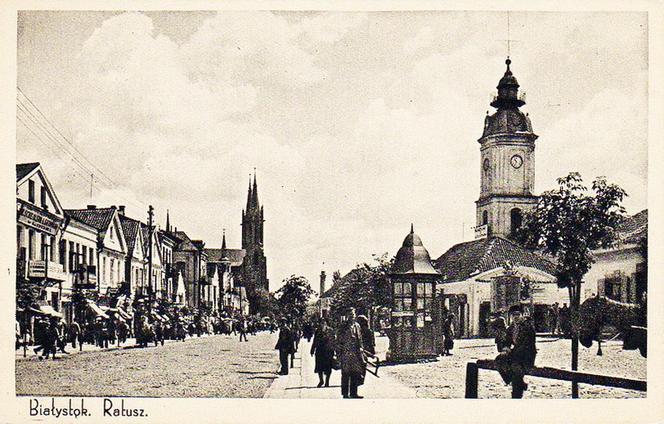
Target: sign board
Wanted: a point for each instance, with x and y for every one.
(38, 219)
(481, 231)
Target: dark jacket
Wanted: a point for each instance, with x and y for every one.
(522, 338)
(323, 348)
(285, 341)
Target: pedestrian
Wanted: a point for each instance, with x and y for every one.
(368, 343)
(499, 328)
(242, 324)
(297, 335)
(555, 319)
(158, 332)
(51, 338)
(323, 348)
(74, 333)
(350, 356)
(519, 355)
(285, 345)
(448, 334)
(62, 338)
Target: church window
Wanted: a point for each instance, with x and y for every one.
(516, 219)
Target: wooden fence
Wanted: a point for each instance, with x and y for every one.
(472, 375)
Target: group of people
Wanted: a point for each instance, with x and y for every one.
(346, 347)
(50, 334)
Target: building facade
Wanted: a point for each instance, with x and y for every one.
(39, 229)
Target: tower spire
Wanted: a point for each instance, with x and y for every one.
(412, 231)
(168, 221)
(223, 240)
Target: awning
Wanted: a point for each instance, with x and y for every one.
(96, 309)
(47, 310)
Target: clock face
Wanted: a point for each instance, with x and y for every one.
(516, 161)
(485, 165)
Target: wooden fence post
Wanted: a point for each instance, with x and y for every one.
(471, 380)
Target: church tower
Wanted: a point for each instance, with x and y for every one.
(254, 266)
(507, 149)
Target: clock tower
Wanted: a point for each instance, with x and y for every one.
(507, 164)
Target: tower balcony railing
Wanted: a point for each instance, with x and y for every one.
(521, 96)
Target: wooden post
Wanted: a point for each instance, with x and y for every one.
(471, 380)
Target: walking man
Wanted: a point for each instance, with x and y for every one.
(350, 356)
(285, 345)
(243, 329)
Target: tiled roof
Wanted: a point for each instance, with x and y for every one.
(634, 227)
(236, 256)
(130, 231)
(98, 218)
(23, 169)
(464, 260)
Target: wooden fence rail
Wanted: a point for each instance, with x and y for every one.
(472, 369)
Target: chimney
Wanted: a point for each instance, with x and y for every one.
(121, 210)
(322, 283)
(92, 206)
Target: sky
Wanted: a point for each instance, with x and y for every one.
(357, 123)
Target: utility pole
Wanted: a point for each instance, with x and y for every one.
(150, 229)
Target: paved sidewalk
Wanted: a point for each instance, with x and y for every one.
(301, 382)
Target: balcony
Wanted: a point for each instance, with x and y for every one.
(46, 269)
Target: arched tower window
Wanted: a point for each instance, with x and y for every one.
(485, 217)
(516, 219)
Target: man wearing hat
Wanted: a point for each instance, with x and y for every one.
(519, 352)
(285, 345)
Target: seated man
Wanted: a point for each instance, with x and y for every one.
(519, 353)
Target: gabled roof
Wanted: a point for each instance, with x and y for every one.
(236, 256)
(634, 227)
(23, 169)
(130, 228)
(466, 259)
(98, 218)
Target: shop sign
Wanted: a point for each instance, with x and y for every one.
(38, 219)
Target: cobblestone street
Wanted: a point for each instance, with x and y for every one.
(445, 378)
(214, 366)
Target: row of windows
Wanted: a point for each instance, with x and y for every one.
(42, 194)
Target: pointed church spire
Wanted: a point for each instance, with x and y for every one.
(411, 228)
(223, 241)
(254, 193)
(168, 221)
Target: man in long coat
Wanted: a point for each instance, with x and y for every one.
(351, 356)
(285, 345)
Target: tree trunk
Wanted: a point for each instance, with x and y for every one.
(575, 301)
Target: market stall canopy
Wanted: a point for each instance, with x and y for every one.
(47, 310)
(96, 309)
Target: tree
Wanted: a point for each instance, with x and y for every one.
(568, 223)
(364, 288)
(293, 296)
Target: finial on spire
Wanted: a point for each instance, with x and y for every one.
(412, 231)
(223, 240)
